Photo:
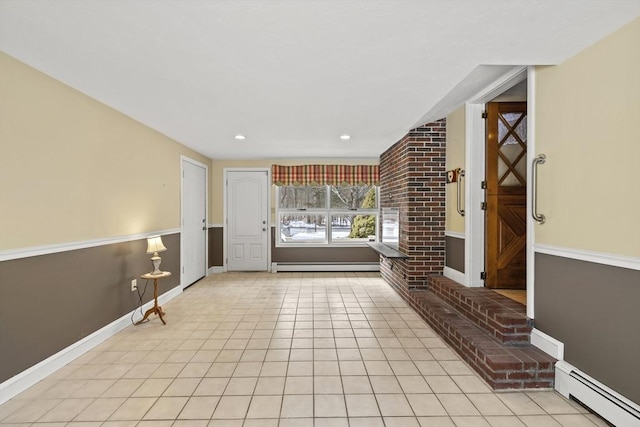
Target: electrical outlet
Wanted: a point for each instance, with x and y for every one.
(134, 285)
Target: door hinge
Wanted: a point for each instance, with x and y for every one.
(483, 185)
(484, 115)
(483, 275)
(483, 206)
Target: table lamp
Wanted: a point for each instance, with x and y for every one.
(154, 245)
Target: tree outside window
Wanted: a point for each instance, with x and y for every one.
(326, 214)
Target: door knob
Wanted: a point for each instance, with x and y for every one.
(264, 229)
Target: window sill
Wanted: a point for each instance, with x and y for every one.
(386, 251)
(323, 245)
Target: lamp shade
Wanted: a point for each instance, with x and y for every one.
(154, 244)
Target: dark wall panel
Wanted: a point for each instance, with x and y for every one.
(454, 253)
(594, 310)
(319, 254)
(49, 302)
(216, 250)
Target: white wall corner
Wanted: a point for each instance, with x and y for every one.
(563, 378)
(548, 344)
(454, 275)
(274, 267)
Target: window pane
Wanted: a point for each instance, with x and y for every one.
(301, 228)
(353, 228)
(302, 197)
(353, 197)
(390, 227)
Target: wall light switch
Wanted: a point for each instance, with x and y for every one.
(134, 285)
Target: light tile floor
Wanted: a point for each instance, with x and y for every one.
(286, 350)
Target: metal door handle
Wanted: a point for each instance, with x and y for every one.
(459, 185)
(264, 229)
(539, 160)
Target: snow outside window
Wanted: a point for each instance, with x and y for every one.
(326, 215)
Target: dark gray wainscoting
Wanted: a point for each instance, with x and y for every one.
(594, 309)
(322, 254)
(300, 255)
(454, 253)
(49, 302)
(216, 248)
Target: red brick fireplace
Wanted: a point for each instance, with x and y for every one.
(412, 179)
(489, 331)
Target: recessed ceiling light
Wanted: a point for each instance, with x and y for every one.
(345, 137)
(239, 137)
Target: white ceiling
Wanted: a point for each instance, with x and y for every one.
(294, 75)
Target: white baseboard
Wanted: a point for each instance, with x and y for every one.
(294, 266)
(215, 270)
(548, 344)
(454, 275)
(610, 405)
(25, 379)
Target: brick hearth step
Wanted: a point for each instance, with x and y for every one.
(502, 365)
(504, 319)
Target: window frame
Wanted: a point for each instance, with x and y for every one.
(328, 212)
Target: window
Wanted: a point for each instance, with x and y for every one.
(326, 215)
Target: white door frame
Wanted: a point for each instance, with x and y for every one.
(474, 220)
(531, 223)
(226, 220)
(183, 159)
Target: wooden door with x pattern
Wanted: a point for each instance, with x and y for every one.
(506, 195)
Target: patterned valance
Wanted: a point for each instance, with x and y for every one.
(326, 175)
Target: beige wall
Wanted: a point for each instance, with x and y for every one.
(73, 169)
(588, 126)
(455, 160)
(217, 177)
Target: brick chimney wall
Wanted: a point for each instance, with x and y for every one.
(412, 179)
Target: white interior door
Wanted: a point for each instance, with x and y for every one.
(247, 220)
(194, 222)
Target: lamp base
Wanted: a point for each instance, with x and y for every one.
(156, 260)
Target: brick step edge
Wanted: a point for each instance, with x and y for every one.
(502, 367)
(505, 325)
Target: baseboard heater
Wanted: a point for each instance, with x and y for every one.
(324, 266)
(613, 407)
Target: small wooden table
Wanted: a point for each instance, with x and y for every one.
(156, 308)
